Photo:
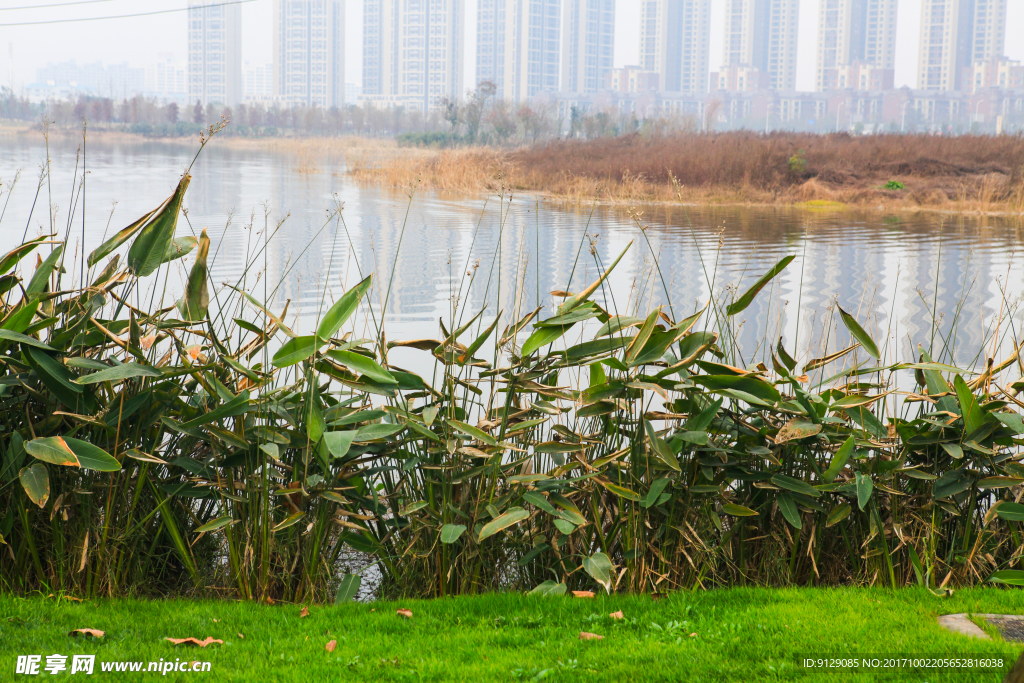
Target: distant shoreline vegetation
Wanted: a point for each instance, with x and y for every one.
(203, 445)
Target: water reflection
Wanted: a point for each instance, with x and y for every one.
(434, 251)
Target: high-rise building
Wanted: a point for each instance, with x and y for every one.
(116, 81)
(954, 35)
(588, 44)
(762, 34)
(519, 46)
(856, 36)
(413, 52)
(675, 37)
(259, 81)
(167, 78)
(214, 53)
(309, 52)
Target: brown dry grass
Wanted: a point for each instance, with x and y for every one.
(963, 174)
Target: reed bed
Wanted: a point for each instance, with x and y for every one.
(962, 173)
(205, 446)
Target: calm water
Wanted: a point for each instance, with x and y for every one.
(885, 268)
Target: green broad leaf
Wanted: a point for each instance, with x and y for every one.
(41, 278)
(584, 312)
(597, 347)
(654, 493)
(451, 532)
(342, 310)
(195, 301)
(542, 336)
(953, 449)
(787, 506)
(52, 449)
(118, 373)
(218, 523)
(748, 297)
(429, 413)
(272, 450)
(54, 375)
(315, 425)
(575, 301)
(24, 339)
(864, 488)
(564, 526)
(640, 340)
(974, 416)
(747, 384)
(859, 334)
(538, 500)
(478, 434)
(290, 520)
(999, 482)
(376, 432)
(335, 497)
(1012, 577)
(348, 588)
(338, 443)
(91, 457)
(180, 247)
(738, 510)
(295, 350)
(838, 514)
(413, 507)
(557, 447)
(660, 447)
(479, 341)
(503, 521)
(235, 406)
(1012, 421)
(362, 365)
(617, 323)
(797, 428)
(36, 482)
(795, 485)
(839, 460)
(620, 491)
(549, 588)
(15, 255)
(599, 566)
(119, 238)
(156, 234)
(1010, 512)
(22, 317)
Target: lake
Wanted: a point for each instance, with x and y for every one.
(433, 252)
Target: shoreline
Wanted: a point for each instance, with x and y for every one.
(477, 170)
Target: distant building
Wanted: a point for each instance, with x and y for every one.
(588, 44)
(858, 34)
(117, 81)
(954, 35)
(413, 52)
(998, 72)
(675, 38)
(309, 53)
(761, 35)
(167, 79)
(214, 53)
(631, 79)
(519, 46)
(740, 78)
(259, 81)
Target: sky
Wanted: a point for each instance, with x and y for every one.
(141, 40)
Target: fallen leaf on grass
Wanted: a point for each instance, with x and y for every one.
(616, 615)
(693, 635)
(216, 621)
(331, 645)
(194, 641)
(304, 613)
(583, 594)
(86, 632)
(70, 598)
(656, 596)
(241, 636)
(590, 636)
(407, 613)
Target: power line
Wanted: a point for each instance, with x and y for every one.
(56, 4)
(125, 16)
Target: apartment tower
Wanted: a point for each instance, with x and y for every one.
(955, 34)
(762, 34)
(588, 44)
(856, 37)
(309, 52)
(519, 46)
(214, 53)
(413, 52)
(675, 37)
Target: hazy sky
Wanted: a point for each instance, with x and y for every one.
(140, 40)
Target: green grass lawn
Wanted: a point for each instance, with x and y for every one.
(725, 635)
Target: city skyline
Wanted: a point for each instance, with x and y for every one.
(872, 45)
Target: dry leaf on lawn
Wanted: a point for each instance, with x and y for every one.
(304, 613)
(194, 641)
(407, 613)
(656, 596)
(616, 615)
(331, 645)
(86, 632)
(583, 594)
(590, 636)
(241, 636)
